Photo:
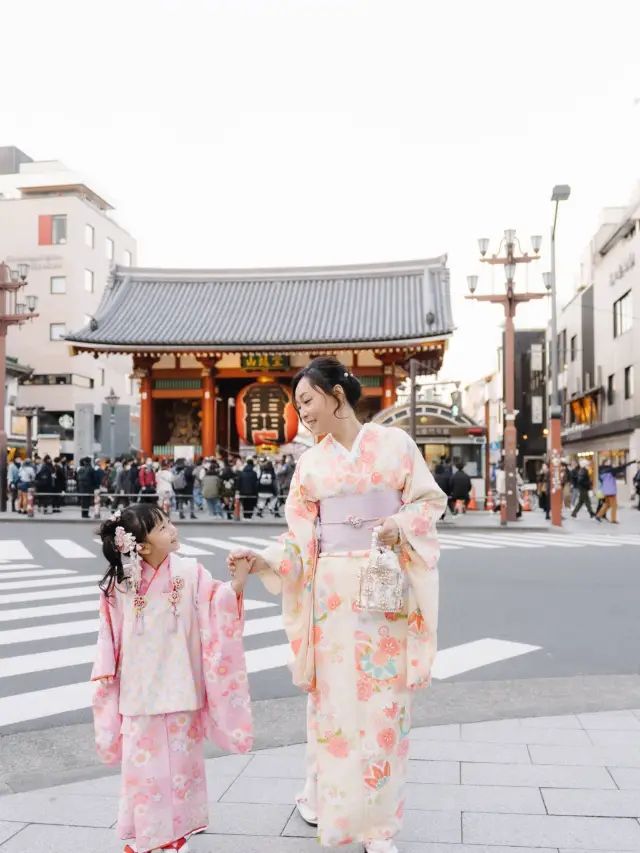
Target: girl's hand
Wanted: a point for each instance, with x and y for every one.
(256, 562)
(389, 532)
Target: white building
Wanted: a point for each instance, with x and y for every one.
(57, 222)
(599, 345)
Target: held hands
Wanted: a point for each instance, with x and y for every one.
(389, 532)
(241, 563)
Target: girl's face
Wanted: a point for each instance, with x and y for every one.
(316, 408)
(163, 539)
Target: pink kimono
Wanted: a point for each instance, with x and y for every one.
(175, 654)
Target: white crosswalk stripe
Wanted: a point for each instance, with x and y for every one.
(49, 613)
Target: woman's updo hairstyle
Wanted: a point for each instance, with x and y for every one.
(324, 373)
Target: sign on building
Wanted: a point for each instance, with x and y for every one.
(536, 409)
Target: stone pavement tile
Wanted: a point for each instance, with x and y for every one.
(510, 731)
(590, 833)
(469, 848)
(248, 789)
(61, 809)
(248, 818)
(614, 737)
(434, 772)
(489, 752)
(253, 844)
(589, 756)
(612, 720)
(295, 749)
(593, 803)
(474, 798)
(275, 767)
(430, 826)
(536, 776)
(44, 838)
(217, 786)
(108, 786)
(448, 733)
(9, 828)
(298, 827)
(565, 721)
(626, 778)
(229, 765)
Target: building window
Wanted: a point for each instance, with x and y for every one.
(58, 284)
(89, 236)
(88, 281)
(622, 315)
(628, 382)
(110, 249)
(611, 390)
(57, 331)
(52, 230)
(127, 258)
(101, 375)
(574, 347)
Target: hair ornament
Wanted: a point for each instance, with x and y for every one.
(126, 544)
(115, 516)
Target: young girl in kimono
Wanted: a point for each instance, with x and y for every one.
(169, 670)
(360, 667)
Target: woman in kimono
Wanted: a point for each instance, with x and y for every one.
(360, 667)
(169, 670)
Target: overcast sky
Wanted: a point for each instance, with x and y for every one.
(268, 132)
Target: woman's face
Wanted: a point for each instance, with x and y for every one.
(316, 408)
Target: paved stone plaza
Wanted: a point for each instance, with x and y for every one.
(549, 784)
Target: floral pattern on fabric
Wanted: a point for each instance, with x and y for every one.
(360, 668)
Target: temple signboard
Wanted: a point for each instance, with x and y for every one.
(265, 361)
(265, 414)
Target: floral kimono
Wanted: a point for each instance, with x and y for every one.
(174, 660)
(359, 667)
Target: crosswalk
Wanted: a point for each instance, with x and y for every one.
(49, 622)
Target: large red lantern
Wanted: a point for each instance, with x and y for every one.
(265, 414)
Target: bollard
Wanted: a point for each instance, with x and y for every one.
(96, 503)
(489, 504)
(503, 510)
(30, 503)
(166, 506)
(236, 507)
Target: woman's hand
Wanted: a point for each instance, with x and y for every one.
(388, 533)
(256, 562)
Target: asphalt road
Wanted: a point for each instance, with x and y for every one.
(525, 607)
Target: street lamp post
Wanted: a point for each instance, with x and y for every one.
(12, 313)
(561, 192)
(509, 301)
(112, 401)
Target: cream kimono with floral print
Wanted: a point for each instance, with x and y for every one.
(360, 668)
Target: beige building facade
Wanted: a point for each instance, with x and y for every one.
(57, 222)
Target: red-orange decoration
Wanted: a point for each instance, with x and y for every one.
(265, 414)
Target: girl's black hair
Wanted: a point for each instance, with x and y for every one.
(324, 373)
(139, 519)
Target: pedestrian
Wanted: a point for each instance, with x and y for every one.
(461, 486)
(164, 484)
(13, 478)
(267, 488)
(229, 486)
(248, 486)
(147, 478)
(165, 624)
(636, 485)
(44, 485)
(543, 490)
(198, 475)
(59, 484)
(609, 485)
(183, 487)
(211, 489)
(87, 483)
(359, 658)
(583, 483)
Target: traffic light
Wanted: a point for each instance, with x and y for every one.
(456, 403)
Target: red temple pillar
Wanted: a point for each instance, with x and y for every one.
(388, 383)
(144, 373)
(209, 431)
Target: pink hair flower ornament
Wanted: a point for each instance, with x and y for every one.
(125, 542)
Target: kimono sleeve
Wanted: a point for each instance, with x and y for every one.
(292, 563)
(226, 714)
(423, 502)
(107, 720)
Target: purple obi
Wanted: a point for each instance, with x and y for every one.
(346, 520)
